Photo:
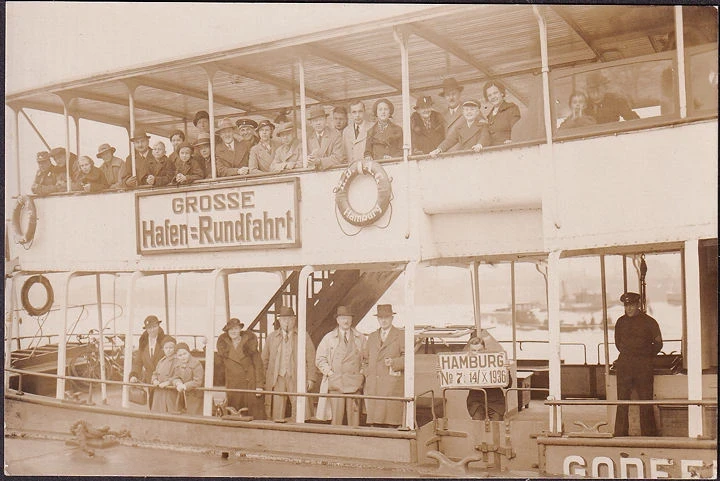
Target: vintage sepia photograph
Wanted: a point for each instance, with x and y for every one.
(361, 240)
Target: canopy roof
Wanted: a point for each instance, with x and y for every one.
(468, 42)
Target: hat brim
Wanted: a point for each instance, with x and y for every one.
(385, 314)
(459, 88)
(105, 150)
(284, 131)
(146, 136)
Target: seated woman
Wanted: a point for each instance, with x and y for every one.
(187, 167)
(288, 155)
(427, 125)
(165, 397)
(262, 153)
(503, 115)
(187, 376)
(495, 395)
(238, 350)
(384, 138)
(92, 179)
(577, 117)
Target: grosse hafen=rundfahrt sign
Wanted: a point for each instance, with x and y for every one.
(473, 369)
(263, 214)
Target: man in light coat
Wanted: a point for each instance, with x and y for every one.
(385, 354)
(339, 358)
(355, 133)
(231, 156)
(324, 143)
(279, 358)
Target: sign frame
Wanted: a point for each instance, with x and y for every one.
(466, 354)
(210, 186)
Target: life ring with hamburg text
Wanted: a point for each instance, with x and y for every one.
(25, 207)
(25, 297)
(384, 192)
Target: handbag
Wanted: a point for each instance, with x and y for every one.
(138, 395)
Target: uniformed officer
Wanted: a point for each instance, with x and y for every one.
(638, 338)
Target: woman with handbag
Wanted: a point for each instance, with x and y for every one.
(187, 376)
(165, 398)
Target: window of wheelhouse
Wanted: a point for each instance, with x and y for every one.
(700, 25)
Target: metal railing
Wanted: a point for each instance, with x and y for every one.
(601, 344)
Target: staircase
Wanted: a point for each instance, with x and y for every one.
(327, 290)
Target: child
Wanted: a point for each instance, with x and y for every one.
(92, 179)
(160, 170)
(188, 168)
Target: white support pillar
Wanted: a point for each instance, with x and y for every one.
(553, 280)
(694, 335)
(101, 340)
(10, 322)
(68, 178)
(513, 311)
(62, 344)
(301, 375)
(401, 38)
(475, 282)
(211, 113)
(16, 145)
(680, 50)
(76, 118)
(210, 346)
(131, 107)
(127, 362)
(409, 372)
(303, 113)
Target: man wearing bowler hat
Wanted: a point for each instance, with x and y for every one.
(325, 146)
(339, 358)
(149, 352)
(143, 154)
(471, 133)
(111, 165)
(606, 106)
(231, 155)
(279, 358)
(638, 339)
(427, 125)
(385, 355)
(451, 91)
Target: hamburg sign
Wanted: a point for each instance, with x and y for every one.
(473, 369)
(249, 215)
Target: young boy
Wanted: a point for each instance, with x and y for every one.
(92, 179)
(160, 170)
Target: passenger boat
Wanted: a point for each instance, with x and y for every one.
(608, 194)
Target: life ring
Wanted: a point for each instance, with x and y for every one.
(24, 204)
(384, 192)
(25, 299)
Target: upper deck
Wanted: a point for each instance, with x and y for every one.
(643, 181)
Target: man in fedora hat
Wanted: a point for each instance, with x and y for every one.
(339, 358)
(288, 154)
(202, 153)
(279, 358)
(111, 165)
(385, 355)
(149, 352)
(606, 106)
(451, 91)
(427, 125)
(45, 181)
(355, 134)
(231, 155)
(324, 144)
(143, 154)
(471, 133)
(61, 158)
(638, 339)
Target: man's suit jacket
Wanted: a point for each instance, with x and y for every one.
(451, 120)
(330, 151)
(229, 161)
(271, 358)
(355, 148)
(462, 137)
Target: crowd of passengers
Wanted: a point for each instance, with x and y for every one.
(247, 147)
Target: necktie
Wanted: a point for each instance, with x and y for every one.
(285, 336)
(383, 335)
(346, 337)
(357, 131)
(151, 351)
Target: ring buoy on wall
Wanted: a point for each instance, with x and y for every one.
(25, 299)
(384, 192)
(25, 207)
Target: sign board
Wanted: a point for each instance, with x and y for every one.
(262, 214)
(473, 369)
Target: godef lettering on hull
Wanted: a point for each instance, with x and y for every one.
(636, 468)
